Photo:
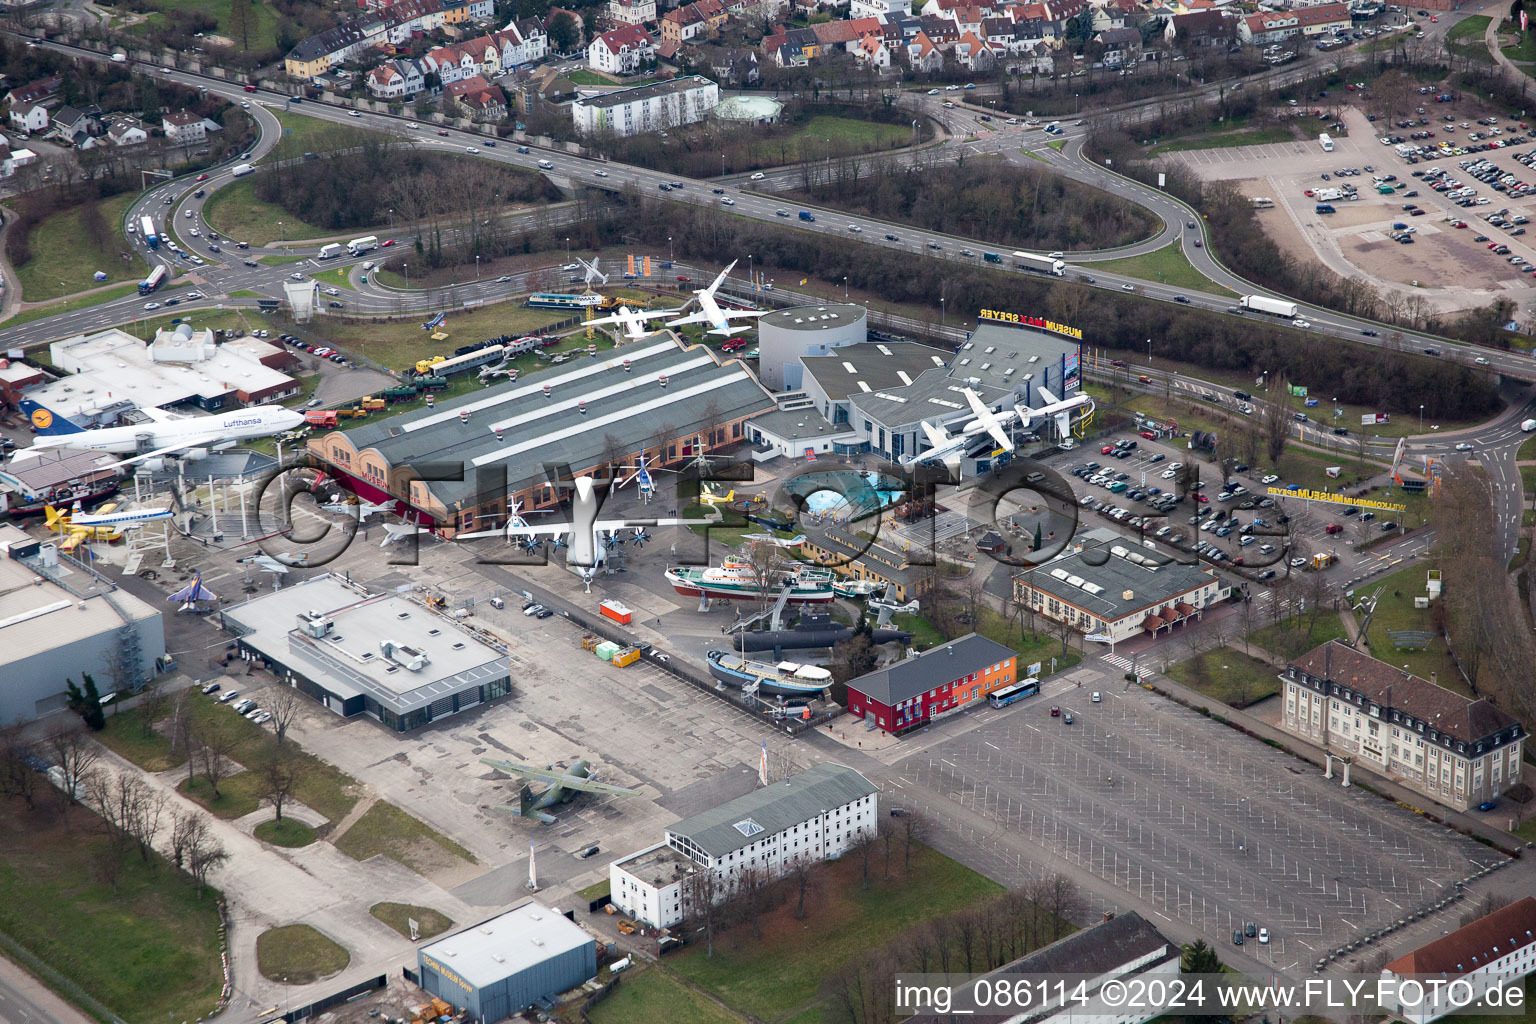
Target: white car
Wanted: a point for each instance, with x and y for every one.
(1297, 563)
(601, 173)
(332, 291)
(1464, 447)
(727, 201)
(1481, 360)
(1169, 474)
(758, 176)
(1299, 322)
(1097, 697)
(471, 150)
(353, 113)
(1263, 936)
(503, 279)
(151, 305)
(1056, 255)
(1175, 466)
(854, 228)
(413, 125)
(245, 105)
(1269, 478)
(951, 88)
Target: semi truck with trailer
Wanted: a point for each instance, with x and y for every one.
(147, 229)
(1044, 264)
(155, 279)
(1265, 304)
(367, 243)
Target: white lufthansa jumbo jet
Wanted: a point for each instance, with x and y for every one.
(169, 434)
(632, 320)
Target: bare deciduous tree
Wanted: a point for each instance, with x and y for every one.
(279, 776)
(216, 739)
(75, 754)
(803, 877)
(703, 893)
(283, 704)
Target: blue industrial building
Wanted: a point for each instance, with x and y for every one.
(507, 964)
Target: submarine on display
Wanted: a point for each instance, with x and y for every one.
(814, 629)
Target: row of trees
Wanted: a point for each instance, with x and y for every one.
(1009, 205)
(979, 938)
(133, 815)
(1480, 609)
(1391, 381)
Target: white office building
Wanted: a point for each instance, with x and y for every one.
(647, 108)
(817, 814)
(1493, 951)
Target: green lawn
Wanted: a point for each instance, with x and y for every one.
(1167, 265)
(853, 133)
(1528, 1016)
(650, 995)
(398, 345)
(239, 794)
(1030, 650)
(235, 212)
(336, 276)
(399, 916)
(595, 891)
(1465, 39)
(1523, 51)
(280, 258)
(296, 954)
(924, 635)
(70, 305)
(386, 829)
(303, 134)
(263, 28)
(1291, 638)
(1226, 140)
(781, 973)
(64, 257)
(1227, 675)
(1395, 611)
(149, 951)
(1058, 145)
(1527, 452)
(287, 832)
(584, 77)
(124, 737)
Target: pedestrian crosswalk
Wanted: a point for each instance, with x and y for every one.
(1117, 661)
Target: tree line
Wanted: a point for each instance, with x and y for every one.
(353, 188)
(974, 940)
(1393, 381)
(1012, 206)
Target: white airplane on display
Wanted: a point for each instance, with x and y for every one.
(1061, 410)
(586, 538)
(122, 520)
(362, 510)
(632, 320)
(394, 533)
(719, 320)
(168, 434)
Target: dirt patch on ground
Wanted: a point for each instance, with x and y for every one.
(1358, 212)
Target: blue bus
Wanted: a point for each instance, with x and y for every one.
(1018, 691)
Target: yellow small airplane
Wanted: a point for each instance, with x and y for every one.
(75, 535)
(707, 496)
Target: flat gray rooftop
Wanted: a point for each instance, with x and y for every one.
(516, 941)
(1147, 585)
(349, 661)
(810, 319)
(645, 92)
(870, 366)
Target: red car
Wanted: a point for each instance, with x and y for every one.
(1202, 498)
(1333, 528)
(1309, 193)
(444, 134)
(250, 88)
(1149, 435)
(734, 344)
(1199, 244)
(1117, 362)
(1144, 379)
(1434, 19)
(1107, 449)
(1055, 710)
(684, 278)
(386, 243)
(202, 177)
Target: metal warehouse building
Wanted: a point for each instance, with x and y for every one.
(509, 963)
(653, 397)
(379, 655)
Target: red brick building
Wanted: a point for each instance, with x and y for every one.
(932, 685)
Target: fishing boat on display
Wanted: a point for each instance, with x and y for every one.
(782, 679)
(736, 579)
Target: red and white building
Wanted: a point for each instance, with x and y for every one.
(1306, 22)
(935, 684)
(621, 51)
(1497, 950)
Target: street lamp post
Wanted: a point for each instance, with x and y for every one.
(845, 287)
(943, 322)
(1074, 103)
(477, 268)
(407, 268)
(722, 165)
(669, 248)
(1421, 419)
(1149, 351)
(280, 236)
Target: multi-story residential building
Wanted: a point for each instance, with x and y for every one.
(814, 815)
(631, 12)
(1112, 590)
(407, 18)
(1307, 22)
(183, 128)
(462, 12)
(972, 52)
(485, 101)
(395, 79)
(43, 90)
(621, 51)
(647, 108)
(1121, 46)
(29, 117)
(1452, 749)
(75, 127)
(924, 55)
(1496, 950)
(935, 684)
(317, 54)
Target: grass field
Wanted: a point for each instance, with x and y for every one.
(124, 737)
(296, 954)
(1527, 450)
(149, 951)
(386, 829)
(1395, 611)
(287, 832)
(336, 277)
(1167, 265)
(64, 256)
(263, 29)
(1228, 675)
(651, 995)
(1290, 638)
(584, 77)
(781, 974)
(399, 345)
(1465, 39)
(235, 212)
(1226, 140)
(239, 794)
(1523, 51)
(399, 916)
(595, 891)
(853, 133)
(303, 134)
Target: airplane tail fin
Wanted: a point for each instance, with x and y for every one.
(525, 799)
(47, 422)
(53, 514)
